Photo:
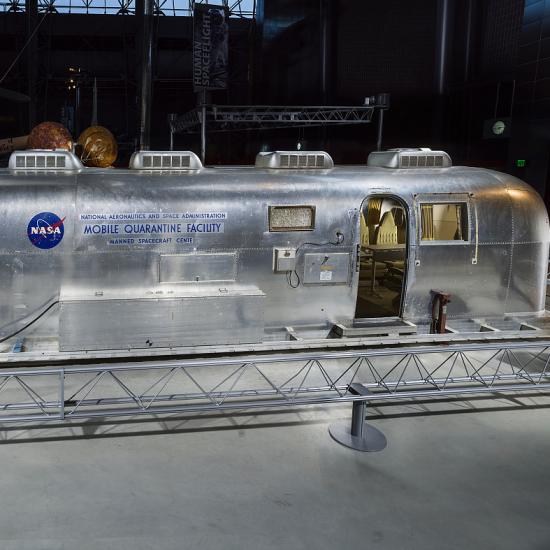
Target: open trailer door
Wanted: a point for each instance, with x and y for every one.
(382, 258)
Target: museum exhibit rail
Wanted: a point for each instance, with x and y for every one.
(271, 380)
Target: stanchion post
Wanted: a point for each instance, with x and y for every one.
(360, 436)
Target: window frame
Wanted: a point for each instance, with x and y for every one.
(444, 198)
(271, 207)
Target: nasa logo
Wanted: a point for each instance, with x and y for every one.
(45, 230)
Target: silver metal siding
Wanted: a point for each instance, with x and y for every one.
(509, 275)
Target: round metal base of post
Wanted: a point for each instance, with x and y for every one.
(372, 440)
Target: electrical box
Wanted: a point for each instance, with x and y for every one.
(284, 259)
(327, 268)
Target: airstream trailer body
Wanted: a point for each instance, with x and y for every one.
(181, 255)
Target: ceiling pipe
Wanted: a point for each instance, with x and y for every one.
(146, 75)
(443, 40)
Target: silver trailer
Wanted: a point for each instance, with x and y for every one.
(290, 283)
(170, 254)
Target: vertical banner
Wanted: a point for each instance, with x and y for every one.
(210, 34)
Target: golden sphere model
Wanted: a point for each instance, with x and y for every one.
(50, 135)
(97, 147)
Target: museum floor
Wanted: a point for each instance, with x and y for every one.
(456, 474)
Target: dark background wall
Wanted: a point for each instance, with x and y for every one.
(108, 48)
(451, 67)
(530, 139)
(339, 52)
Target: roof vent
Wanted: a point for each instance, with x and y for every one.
(295, 160)
(44, 159)
(410, 158)
(165, 160)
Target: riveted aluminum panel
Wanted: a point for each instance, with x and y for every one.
(195, 318)
(526, 280)
(183, 268)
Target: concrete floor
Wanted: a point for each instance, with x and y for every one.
(455, 475)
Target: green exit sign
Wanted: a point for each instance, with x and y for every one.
(521, 163)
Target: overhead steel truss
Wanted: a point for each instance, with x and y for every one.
(246, 382)
(223, 118)
(257, 117)
(237, 8)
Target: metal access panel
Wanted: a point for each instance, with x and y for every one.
(182, 268)
(201, 317)
(326, 268)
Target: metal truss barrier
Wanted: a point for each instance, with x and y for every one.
(148, 388)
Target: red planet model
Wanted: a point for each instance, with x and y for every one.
(50, 135)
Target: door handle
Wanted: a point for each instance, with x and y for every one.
(476, 236)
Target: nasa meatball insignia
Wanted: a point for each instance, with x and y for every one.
(46, 230)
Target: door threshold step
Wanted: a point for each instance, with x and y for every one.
(369, 328)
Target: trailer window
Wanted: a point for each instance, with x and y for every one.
(444, 221)
(291, 218)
